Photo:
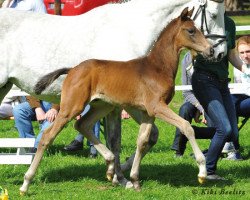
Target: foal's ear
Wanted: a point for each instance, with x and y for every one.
(186, 14)
(190, 12)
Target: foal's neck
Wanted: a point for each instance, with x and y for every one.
(164, 55)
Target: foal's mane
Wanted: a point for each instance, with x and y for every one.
(172, 27)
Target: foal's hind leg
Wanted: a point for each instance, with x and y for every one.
(69, 108)
(137, 116)
(85, 126)
(47, 138)
(165, 113)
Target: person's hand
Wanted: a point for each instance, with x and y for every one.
(51, 114)
(199, 117)
(125, 115)
(203, 119)
(40, 114)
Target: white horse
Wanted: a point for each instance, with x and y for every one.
(32, 44)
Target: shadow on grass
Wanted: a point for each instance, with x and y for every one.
(58, 149)
(180, 175)
(175, 175)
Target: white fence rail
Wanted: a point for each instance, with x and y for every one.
(21, 156)
(243, 28)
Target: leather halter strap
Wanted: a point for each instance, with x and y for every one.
(202, 10)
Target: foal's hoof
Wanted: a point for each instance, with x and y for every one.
(201, 180)
(22, 193)
(109, 177)
(137, 186)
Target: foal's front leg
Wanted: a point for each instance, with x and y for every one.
(137, 116)
(165, 113)
(142, 143)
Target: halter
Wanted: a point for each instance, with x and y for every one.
(202, 10)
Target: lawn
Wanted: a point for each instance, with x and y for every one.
(75, 176)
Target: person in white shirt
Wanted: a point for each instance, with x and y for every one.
(26, 5)
(243, 48)
(6, 107)
(241, 101)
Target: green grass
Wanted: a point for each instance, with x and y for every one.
(75, 176)
(240, 21)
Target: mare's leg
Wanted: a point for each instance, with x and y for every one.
(163, 112)
(72, 104)
(142, 144)
(85, 126)
(137, 116)
(4, 90)
(113, 131)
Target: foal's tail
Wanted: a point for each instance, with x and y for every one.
(48, 79)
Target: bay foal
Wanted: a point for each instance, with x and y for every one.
(145, 84)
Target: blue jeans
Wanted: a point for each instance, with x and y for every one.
(214, 95)
(187, 111)
(96, 128)
(242, 105)
(24, 115)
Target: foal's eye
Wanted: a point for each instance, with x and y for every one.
(191, 31)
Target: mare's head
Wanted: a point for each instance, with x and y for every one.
(209, 18)
(188, 36)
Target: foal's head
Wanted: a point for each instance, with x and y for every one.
(190, 37)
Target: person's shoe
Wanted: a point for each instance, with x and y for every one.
(93, 152)
(75, 145)
(178, 155)
(228, 147)
(234, 156)
(215, 177)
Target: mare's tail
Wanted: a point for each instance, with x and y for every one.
(48, 79)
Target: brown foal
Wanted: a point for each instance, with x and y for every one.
(145, 85)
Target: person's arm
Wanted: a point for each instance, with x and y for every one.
(186, 80)
(34, 102)
(52, 113)
(36, 106)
